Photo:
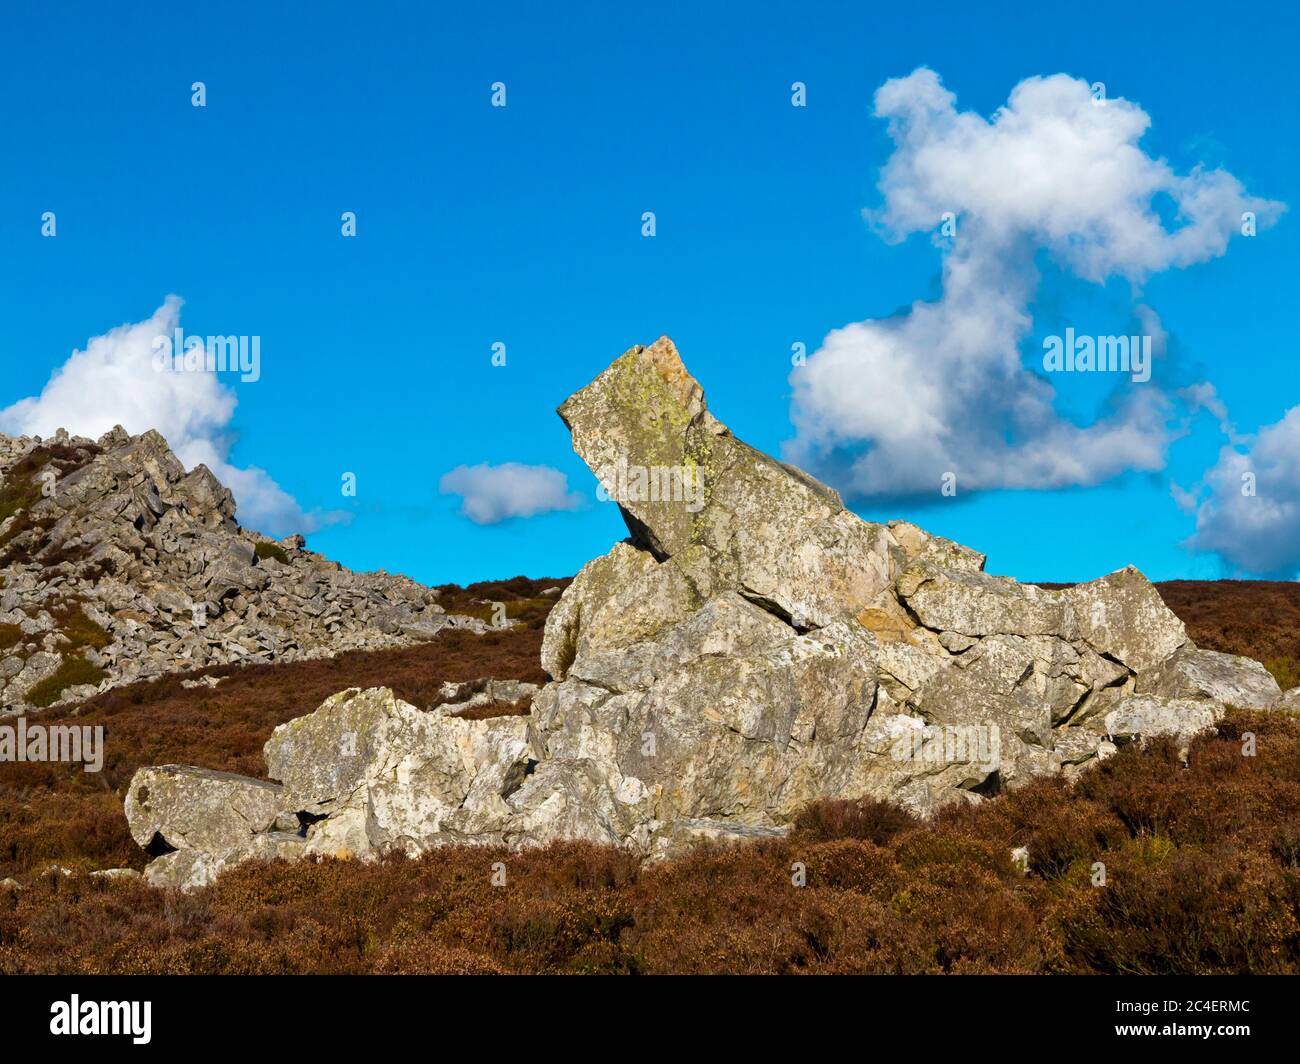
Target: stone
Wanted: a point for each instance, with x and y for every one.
(751, 647)
(189, 869)
(1123, 617)
(375, 773)
(1207, 674)
(1150, 717)
(779, 536)
(116, 873)
(195, 808)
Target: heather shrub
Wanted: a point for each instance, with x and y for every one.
(1201, 863)
(865, 818)
(852, 864)
(1167, 910)
(1079, 831)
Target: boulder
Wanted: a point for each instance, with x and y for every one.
(751, 647)
(1149, 717)
(1209, 675)
(198, 809)
(1123, 617)
(373, 773)
(683, 481)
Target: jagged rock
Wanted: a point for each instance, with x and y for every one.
(188, 869)
(1123, 617)
(975, 604)
(1290, 700)
(154, 556)
(753, 646)
(773, 532)
(377, 774)
(1207, 674)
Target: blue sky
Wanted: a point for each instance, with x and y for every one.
(522, 225)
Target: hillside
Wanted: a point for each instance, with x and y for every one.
(118, 565)
(1226, 829)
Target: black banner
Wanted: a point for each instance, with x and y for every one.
(989, 1013)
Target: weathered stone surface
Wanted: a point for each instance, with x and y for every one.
(1151, 717)
(752, 647)
(188, 869)
(1124, 617)
(385, 775)
(1290, 701)
(194, 808)
(975, 604)
(1207, 674)
(773, 533)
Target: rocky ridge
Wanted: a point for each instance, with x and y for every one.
(730, 662)
(117, 565)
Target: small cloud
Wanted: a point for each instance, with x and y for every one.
(492, 494)
(1251, 518)
(1183, 499)
(1203, 396)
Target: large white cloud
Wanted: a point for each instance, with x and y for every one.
(1249, 503)
(114, 381)
(889, 406)
(491, 493)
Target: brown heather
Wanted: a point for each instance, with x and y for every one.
(1202, 863)
(1257, 618)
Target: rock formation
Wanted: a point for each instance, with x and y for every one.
(118, 565)
(751, 647)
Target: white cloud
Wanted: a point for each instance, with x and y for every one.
(888, 406)
(495, 493)
(1256, 533)
(114, 382)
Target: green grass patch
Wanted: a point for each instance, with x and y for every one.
(271, 550)
(72, 673)
(10, 636)
(77, 627)
(1286, 671)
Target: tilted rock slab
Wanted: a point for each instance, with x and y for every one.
(753, 646)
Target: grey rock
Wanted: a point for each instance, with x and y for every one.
(194, 808)
(1209, 675)
(751, 647)
(1152, 717)
(160, 563)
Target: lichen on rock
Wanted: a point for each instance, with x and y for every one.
(744, 652)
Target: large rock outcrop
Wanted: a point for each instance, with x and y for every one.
(751, 647)
(116, 564)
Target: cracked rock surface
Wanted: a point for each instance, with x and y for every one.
(747, 650)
